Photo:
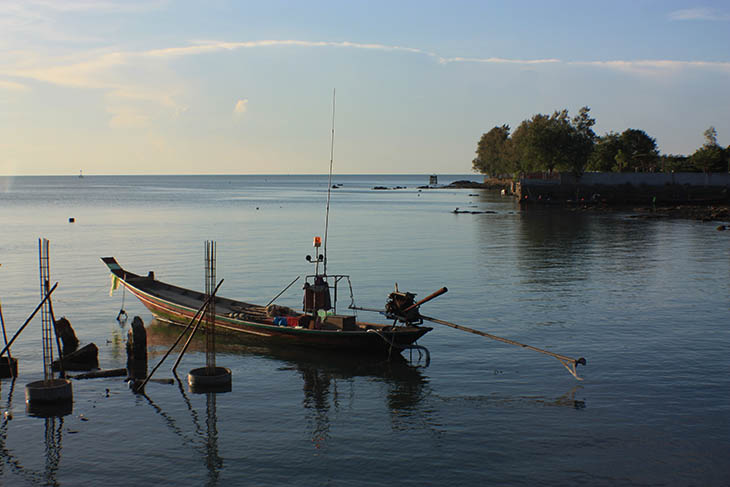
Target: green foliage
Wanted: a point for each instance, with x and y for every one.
(540, 143)
(622, 161)
(556, 142)
(711, 157)
(640, 151)
(582, 141)
(603, 157)
(675, 163)
(492, 155)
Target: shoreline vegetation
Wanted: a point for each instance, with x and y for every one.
(569, 145)
(556, 160)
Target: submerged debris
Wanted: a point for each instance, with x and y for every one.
(85, 358)
(473, 212)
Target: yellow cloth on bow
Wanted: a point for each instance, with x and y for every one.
(115, 284)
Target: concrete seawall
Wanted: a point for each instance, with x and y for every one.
(626, 188)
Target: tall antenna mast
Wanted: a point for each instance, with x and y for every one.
(329, 181)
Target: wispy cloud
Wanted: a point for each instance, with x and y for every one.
(656, 66)
(202, 47)
(95, 69)
(497, 60)
(87, 73)
(12, 86)
(241, 107)
(124, 117)
(700, 13)
(117, 73)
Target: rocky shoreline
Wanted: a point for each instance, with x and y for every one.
(713, 213)
(701, 212)
(488, 184)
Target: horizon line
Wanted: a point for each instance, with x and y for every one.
(239, 174)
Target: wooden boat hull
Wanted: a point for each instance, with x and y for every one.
(177, 305)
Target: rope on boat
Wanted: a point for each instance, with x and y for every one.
(389, 342)
(352, 295)
(116, 281)
(420, 349)
(122, 315)
(411, 347)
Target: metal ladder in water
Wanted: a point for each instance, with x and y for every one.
(210, 265)
(46, 317)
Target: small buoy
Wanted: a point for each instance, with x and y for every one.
(71, 220)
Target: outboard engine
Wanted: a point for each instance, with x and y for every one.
(397, 308)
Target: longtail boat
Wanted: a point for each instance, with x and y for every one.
(318, 324)
(314, 326)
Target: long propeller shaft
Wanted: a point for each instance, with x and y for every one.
(568, 362)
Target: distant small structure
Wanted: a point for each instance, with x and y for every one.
(433, 179)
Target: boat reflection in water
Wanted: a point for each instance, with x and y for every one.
(320, 373)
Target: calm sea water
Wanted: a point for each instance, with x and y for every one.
(647, 303)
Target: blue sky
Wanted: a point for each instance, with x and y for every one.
(129, 87)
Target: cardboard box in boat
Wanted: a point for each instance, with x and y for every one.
(340, 322)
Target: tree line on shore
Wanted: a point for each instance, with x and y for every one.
(547, 143)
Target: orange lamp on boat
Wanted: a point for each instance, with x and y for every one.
(317, 242)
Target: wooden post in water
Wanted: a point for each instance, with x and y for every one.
(137, 350)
